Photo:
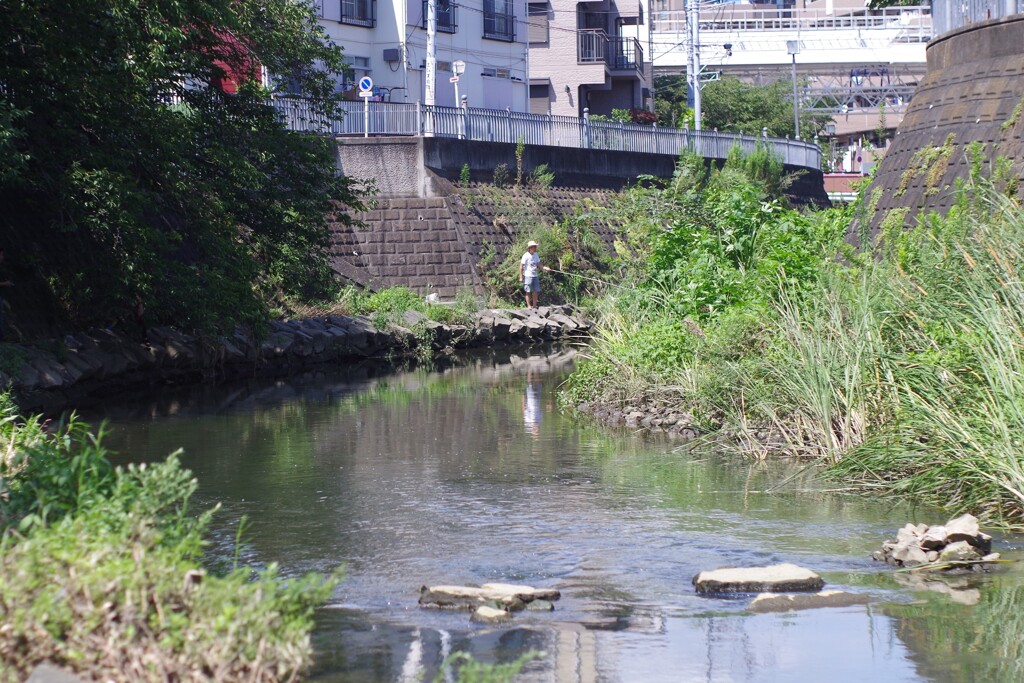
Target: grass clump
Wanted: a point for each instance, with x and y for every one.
(101, 574)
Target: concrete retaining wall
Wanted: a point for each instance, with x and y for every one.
(973, 92)
(409, 167)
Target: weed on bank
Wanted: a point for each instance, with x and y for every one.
(100, 572)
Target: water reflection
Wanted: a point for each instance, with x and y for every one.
(531, 403)
(469, 474)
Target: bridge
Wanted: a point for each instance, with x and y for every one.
(387, 119)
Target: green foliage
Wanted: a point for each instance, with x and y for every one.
(670, 102)
(501, 175)
(520, 151)
(708, 241)
(128, 172)
(464, 176)
(393, 300)
(541, 177)
(900, 370)
(102, 576)
(730, 104)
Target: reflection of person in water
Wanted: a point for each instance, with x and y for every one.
(531, 404)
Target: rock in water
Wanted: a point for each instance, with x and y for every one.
(778, 578)
(490, 615)
(776, 602)
(523, 592)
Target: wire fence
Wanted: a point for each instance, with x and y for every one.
(499, 125)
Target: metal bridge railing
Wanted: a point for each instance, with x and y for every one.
(498, 125)
(745, 19)
(950, 14)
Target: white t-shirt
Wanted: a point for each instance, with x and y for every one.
(531, 265)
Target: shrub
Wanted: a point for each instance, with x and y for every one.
(100, 573)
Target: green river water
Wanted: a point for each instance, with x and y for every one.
(469, 474)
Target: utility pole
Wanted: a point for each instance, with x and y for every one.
(694, 14)
(429, 88)
(793, 48)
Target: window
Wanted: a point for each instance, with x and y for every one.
(359, 12)
(540, 98)
(538, 22)
(447, 15)
(356, 69)
(499, 22)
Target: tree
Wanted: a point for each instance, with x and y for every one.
(670, 102)
(128, 174)
(730, 104)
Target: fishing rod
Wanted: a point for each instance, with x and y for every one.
(586, 277)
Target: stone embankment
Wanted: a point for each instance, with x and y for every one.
(53, 372)
(658, 416)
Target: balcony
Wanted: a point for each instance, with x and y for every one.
(618, 53)
(499, 22)
(447, 15)
(359, 12)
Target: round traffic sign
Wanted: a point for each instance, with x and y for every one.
(366, 84)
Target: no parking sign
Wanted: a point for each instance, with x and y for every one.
(365, 86)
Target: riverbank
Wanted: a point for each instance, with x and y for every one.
(51, 373)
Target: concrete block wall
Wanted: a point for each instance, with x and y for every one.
(409, 242)
(437, 244)
(973, 92)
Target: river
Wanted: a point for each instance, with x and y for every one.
(470, 474)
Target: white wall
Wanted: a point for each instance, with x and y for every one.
(399, 26)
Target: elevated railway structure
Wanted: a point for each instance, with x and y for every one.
(859, 65)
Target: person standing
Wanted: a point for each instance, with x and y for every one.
(4, 283)
(529, 274)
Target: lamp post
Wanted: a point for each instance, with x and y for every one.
(793, 48)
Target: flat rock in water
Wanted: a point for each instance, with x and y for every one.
(490, 615)
(467, 597)
(778, 578)
(784, 602)
(523, 592)
(470, 597)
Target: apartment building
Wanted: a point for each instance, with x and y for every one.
(387, 41)
(588, 55)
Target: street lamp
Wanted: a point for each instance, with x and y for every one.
(793, 48)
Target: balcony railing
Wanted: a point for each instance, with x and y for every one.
(359, 12)
(492, 125)
(591, 46)
(594, 45)
(625, 53)
(447, 14)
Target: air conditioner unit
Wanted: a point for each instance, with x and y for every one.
(392, 54)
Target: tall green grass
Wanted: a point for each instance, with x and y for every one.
(900, 370)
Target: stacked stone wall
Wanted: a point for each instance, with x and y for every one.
(438, 244)
(407, 242)
(973, 93)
